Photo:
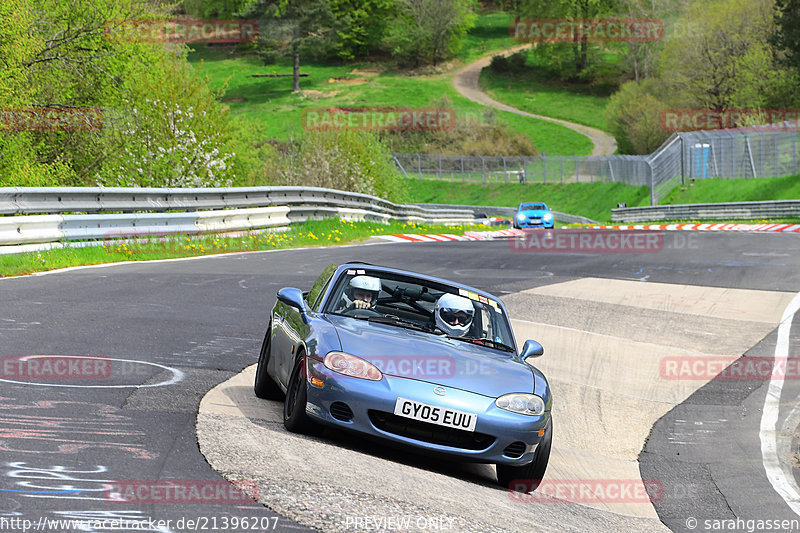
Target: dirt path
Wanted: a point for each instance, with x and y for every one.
(465, 81)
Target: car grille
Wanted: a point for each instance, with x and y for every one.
(432, 433)
(341, 411)
(515, 449)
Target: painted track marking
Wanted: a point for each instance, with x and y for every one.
(782, 481)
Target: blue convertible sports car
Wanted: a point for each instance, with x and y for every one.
(420, 361)
(533, 215)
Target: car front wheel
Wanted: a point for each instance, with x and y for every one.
(294, 407)
(527, 477)
(264, 386)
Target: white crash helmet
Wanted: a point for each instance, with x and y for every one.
(366, 283)
(454, 314)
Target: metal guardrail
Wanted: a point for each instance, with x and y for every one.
(75, 214)
(778, 209)
(509, 212)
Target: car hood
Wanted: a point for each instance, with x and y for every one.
(433, 358)
(534, 212)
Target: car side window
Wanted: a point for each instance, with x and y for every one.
(320, 286)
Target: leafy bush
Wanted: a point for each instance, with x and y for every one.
(633, 118)
(346, 160)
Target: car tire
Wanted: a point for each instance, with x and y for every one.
(295, 418)
(526, 478)
(264, 386)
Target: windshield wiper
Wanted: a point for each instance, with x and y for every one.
(397, 321)
(484, 340)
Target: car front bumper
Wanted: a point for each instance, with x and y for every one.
(499, 437)
(534, 223)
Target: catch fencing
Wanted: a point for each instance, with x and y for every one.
(752, 152)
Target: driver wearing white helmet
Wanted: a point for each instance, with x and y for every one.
(361, 293)
(454, 314)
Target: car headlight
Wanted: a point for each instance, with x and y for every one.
(520, 216)
(548, 216)
(519, 402)
(352, 366)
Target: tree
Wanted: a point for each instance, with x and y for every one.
(292, 25)
(360, 26)
(786, 37)
(429, 30)
(567, 10)
(709, 67)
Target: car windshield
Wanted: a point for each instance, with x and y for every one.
(540, 207)
(410, 302)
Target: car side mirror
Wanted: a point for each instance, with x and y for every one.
(293, 298)
(531, 349)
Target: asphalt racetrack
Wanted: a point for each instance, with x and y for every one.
(634, 347)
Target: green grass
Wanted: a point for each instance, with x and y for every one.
(311, 233)
(592, 200)
(532, 92)
(276, 112)
(735, 190)
(490, 33)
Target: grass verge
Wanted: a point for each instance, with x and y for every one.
(310, 233)
(592, 200)
(715, 190)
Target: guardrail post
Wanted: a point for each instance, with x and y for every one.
(561, 161)
(440, 167)
(483, 167)
(419, 166)
(653, 197)
(462, 169)
(794, 151)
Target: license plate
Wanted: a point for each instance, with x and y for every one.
(433, 414)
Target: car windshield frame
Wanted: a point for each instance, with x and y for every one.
(412, 299)
(534, 207)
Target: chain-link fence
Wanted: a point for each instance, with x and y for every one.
(754, 152)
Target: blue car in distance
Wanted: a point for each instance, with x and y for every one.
(533, 215)
(422, 362)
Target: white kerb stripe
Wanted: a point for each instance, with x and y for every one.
(782, 481)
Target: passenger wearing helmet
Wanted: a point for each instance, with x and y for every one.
(361, 293)
(454, 314)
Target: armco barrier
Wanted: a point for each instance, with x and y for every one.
(779, 209)
(150, 211)
(508, 212)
